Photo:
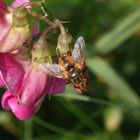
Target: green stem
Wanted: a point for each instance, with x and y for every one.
(28, 129)
(54, 128)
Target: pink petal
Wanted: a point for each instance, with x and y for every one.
(32, 87)
(2, 84)
(35, 29)
(14, 38)
(11, 72)
(2, 9)
(21, 112)
(55, 85)
(23, 61)
(5, 98)
(17, 3)
(5, 19)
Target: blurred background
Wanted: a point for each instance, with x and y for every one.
(110, 110)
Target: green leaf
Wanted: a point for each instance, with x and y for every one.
(119, 86)
(56, 129)
(124, 30)
(84, 98)
(80, 114)
(28, 129)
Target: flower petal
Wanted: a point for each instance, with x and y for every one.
(11, 72)
(35, 29)
(5, 98)
(5, 19)
(17, 3)
(19, 111)
(2, 9)
(23, 113)
(55, 85)
(2, 84)
(32, 87)
(14, 38)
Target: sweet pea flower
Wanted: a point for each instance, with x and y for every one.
(27, 85)
(31, 88)
(10, 102)
(15, 26)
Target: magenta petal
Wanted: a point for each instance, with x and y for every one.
(5, 98)
(2, 84)
(35, 29)
(2, 9)
(5, 19)
(11, 72)
(55, 85)
(32, 88)
(17, 3)
(10, 102)
(19, 111)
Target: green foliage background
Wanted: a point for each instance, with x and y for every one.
(110, 110)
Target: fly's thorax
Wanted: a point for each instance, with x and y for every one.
(21, 17)
(66, 61)
(79, 66)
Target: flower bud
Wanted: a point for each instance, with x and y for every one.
(18, 32)
(20, 17)
(113, 117)
(40, 52)
(64, 43)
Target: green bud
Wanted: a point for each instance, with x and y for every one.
(40, 52)
(19, 31)
(113, 117)
(64, 43)
(21, 16)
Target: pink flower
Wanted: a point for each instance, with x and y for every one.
(27, 86)
(15, 26)
(10, 102)
(35, 84)
(17, 3)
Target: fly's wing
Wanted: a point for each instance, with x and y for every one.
(78, 51)
(52, 69)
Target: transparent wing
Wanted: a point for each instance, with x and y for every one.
(78, 51)
(52, 69)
